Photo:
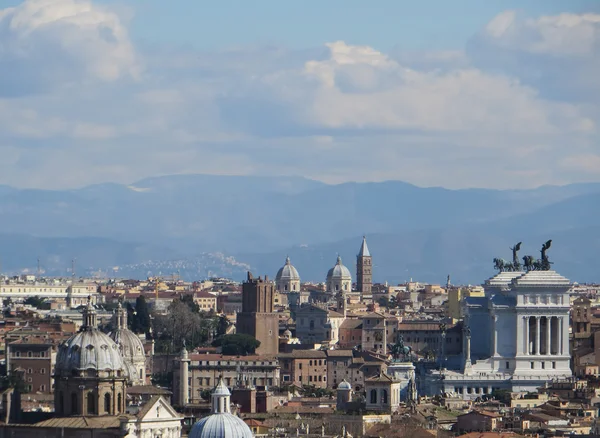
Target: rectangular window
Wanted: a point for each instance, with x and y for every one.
(543, 365)
(532, 365)
(553, 365)
(507, 365)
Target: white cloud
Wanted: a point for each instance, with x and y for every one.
(566, 35)
(487, 117)
(558, 55)
(44, 43)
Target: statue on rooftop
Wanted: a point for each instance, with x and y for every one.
(401, 351)
(545, 263)
(542, 264)
(515, 250)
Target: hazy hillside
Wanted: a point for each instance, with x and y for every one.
(416, 232)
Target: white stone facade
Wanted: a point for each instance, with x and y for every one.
(527, 336)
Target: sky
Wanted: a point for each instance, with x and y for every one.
(495, 94)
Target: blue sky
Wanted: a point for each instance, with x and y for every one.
(453, 93)
(382, 24)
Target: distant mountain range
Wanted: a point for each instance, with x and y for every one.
(204, 225)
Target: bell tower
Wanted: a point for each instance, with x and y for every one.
(364, 275)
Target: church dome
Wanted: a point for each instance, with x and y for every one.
(222, 423)
(339, 272)
(287, 272)
(344, 385)
(89, 349)
(130, 346)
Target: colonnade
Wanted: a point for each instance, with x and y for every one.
(544, 335)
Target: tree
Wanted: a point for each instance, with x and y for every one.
(237, 344)
(384, 301)
(188, 300)
(142, 315)
(222, 325)
(181, 323)
(131, 321)
(36, 302)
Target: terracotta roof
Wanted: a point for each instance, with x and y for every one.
(104, 422)
(147, 390)
(485, 413)
(490, 435)
(212, 357)
(339, 353)
(351, 324)
(204, 294)
(304, 354)
(380, 378)
(253, 423)
(147, 406)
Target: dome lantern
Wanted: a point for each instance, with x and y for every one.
(222, 423)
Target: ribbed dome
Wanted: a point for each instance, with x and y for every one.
(287, 272)
(89, 349)
(130, 345)
(221, 425)
(339, 271)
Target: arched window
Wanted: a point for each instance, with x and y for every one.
(384, 397)
(107, 407)
(285, 288)
(74, 403)
(312, 324)
(373, 396)
(119, 402)
(61, 403)
(141, 374)
(91, 403)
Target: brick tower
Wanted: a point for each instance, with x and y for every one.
(257, 317)
(364, 275)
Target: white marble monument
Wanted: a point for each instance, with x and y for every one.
(520, 334)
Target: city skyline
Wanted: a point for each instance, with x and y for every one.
(466, 95)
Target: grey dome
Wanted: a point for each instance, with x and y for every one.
(222, 425)
(344, 385)
(287, 272)
(90, 349)
(130, 345)
(339, 271)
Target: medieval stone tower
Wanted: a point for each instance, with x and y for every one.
(364, 274)
(257, 317)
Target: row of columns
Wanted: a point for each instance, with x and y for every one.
(544, 335)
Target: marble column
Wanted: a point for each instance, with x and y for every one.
(526, 332)
(554, 335)
(537, 335)
(495, 336)
(564, 336)
(548, 337)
